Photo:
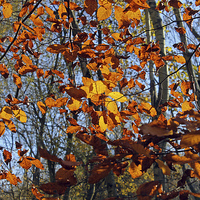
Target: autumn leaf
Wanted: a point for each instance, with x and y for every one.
(50, 12)
(6, 113)
(36, 193)
(99, 172)
(17, 80)
(7, 156)
(180, 59)
(117, 96)
(160, 132)
(90, 6)
(42, 107)
(2, 128)
(26, 59)
(135, 170)
(147, 190)
(165, 169)
(12, 178)
(190, 139)
(7, 10)
(44, 154)
(73, 129)
(20, 115)
(103, 13)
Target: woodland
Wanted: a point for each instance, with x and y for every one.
(100, 99)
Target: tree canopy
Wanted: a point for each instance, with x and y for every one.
(102, 88)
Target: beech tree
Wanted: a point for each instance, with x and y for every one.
(72, 77)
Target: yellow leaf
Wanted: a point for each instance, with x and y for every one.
(2, 128)
(165, 168)
(7, 10)
(6, 113)
(180, 59)
(20, 115)
(118, 96)
(42, 107)
(186, 106)
(111, 106)
(98, 87)
(74, 104)
(102, 124)
(62, 11)
(104, 13)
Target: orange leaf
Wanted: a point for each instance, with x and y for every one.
(50, 102)
(135, 170)
(42, 107)
(7, 10)
(7, 156)
(61, 102)
(2, 128)
(90, 6)
(35, 162)
(58, 73)
(40, 73)
(23, 11)
(50, 12)
(40, 11)
(62, 11)
(35, 192)
(25, 69)
(17, 80)
(25, 163)
(56, 48)
(180, 30)
(10, 125)
(73, 129)
(37, 21)
(4, 71)
(26, 59)
(12, 178)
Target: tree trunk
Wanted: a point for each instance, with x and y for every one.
(163, 94)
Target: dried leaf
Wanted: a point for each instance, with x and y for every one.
(20, 115)
(7, 156)
(7, 10)
(42, 107)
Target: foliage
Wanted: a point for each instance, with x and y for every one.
(111, 102)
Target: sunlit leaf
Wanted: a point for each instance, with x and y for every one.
(20, 115)
(135, 170)
(42, 107)
(111, 106)
(118, 96)
(2, 128)
(180, 59)
(7, 10)
(103, 13)
(73, 129)
(6, 113)
(17, 80)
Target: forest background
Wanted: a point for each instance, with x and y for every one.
(100, 99)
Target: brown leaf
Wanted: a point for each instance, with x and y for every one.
(99, 172)
(90, 6)
(147, 190)
(25, 163)
(44, 154)
(7, 156)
